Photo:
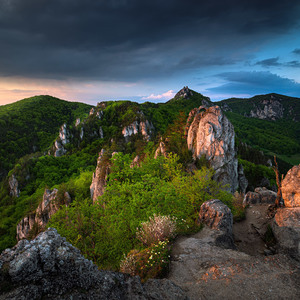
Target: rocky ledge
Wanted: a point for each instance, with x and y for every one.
(49, 267)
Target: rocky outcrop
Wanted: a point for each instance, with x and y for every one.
(286, 224)
(268, 109)
(100, 175)
(13, 186)
(261, 195)
(77, 122)
(217, 216)
(290, 187)
(61, 141)
(185, 93)
(210, 134)
(161, 150)
(140, 125)
(51, 268)
(37, 221)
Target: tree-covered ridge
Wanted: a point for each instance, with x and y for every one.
(30, 125)
(243, 106)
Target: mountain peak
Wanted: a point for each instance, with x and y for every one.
(185, 92)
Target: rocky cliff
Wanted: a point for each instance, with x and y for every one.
(286, 225)
(48, 267)
(37, 221)
(100, 175)
(63, 139)
(210, 134)
(140, 125)
(13, 186)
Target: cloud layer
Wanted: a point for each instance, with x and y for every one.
(129, 40)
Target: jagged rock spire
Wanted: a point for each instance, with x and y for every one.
(185, 92)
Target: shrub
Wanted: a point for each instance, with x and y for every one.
(151, 262)
(158, 228)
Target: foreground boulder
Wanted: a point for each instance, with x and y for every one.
(261, 195)
(210, 134)
(51, 268)
(217, 216)
(290, 187)
(286, 229)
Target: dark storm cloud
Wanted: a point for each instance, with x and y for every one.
(257, 83)
(296, 51)
(130, 39)
(274, 62)
(270, 62)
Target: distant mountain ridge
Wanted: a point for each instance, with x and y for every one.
(265, 107)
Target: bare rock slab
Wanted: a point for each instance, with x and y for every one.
(48, 267)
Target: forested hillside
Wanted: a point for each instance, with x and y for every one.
(38, 153)
(270, 123)
(30, 125)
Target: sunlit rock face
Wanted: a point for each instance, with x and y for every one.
(210, 134)
(286, 224)
(290, 187)
(100, 176)
(38, 220)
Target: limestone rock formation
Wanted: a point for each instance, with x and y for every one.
(290, 187)
(269, 109)
(38, 220)
(61, 141)
(100, 175)
(211, 134)
(13, 186)
(139, 125)
(185, 92)
(216, 215)
(48, 267)
(286, 224)
(261, 195)
(161, 150)
(77, 122)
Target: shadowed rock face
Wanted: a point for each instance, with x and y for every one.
(271, 109)
(51, 268)
(210, 133)
(185, 92)
(14, 186)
